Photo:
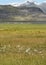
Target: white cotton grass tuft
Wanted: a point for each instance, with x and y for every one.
(28, 50)
(40, 52)
(9, 45)
(21, 48)
(18, 46)
(4, 47)
(35, 50)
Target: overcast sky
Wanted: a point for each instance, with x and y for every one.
(14, 1)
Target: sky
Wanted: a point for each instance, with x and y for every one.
(3, 2)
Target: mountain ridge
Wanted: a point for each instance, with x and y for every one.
(28, 12)
(29, 4)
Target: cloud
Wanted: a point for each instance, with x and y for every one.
(36, 0)
(18, 3)
(15, 4)
(30, 0)
(44, 0)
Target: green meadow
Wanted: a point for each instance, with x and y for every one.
(22, 44)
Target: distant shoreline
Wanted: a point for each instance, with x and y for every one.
(24, 22)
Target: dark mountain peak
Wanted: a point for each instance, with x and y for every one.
(28, 2)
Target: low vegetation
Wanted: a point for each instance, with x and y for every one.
(22, 44)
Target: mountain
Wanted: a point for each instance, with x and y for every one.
(43, 6)
(7, 11)
(28, 11)
(28, 4)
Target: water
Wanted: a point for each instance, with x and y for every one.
(22, 22)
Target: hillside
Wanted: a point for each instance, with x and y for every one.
(9, 13)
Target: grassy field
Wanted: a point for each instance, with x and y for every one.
(22, 44)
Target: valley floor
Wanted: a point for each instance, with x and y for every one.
(22, 44)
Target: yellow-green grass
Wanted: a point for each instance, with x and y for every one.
(22, 44)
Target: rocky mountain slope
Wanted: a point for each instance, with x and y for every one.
(28, 11)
